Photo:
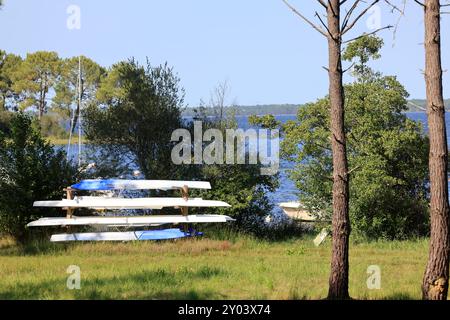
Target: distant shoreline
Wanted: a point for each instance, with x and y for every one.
(415, 105)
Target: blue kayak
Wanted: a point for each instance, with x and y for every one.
(121, 184)
(165, 234)
(97, 185)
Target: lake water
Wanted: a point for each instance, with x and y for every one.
(287, 190)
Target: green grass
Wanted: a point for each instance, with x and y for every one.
(240, 268)
(64, 141)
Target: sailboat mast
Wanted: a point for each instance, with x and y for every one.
(79, 111)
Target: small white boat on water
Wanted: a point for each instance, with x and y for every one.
(297, 211)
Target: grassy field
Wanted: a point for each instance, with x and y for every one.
(241, 268)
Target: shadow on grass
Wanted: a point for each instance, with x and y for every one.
(154, 284)
(399, 296)
(34, 248)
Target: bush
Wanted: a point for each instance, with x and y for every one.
(5, 122)
(30, 169)
(241, 185)
(51, 126)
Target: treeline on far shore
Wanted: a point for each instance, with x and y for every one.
(414, 105)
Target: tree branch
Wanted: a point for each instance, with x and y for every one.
(349, 14)
(351, 66)
(394, 7)
(368, 34)
(352, 170)
(352, 24)
(323, 24)
(331, 7)
(317, 28)
(322, 3)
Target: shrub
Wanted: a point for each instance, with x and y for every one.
(30, 169)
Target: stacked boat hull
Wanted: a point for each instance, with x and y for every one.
(128, 221)
(129, 203)
(114, 203)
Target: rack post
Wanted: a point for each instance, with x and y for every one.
(185, 195)
(185, 210)
(69, 196)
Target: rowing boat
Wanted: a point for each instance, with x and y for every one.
(128, 221)
(129, 203)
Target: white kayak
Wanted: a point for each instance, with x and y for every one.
(129, 203)
(128, 221)
(117, 184)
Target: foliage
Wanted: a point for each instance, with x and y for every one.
(34, 79)
(140, 109)
(241, 185)
(51, 125)
(9, 63)
(363, 50)
(387, 154)
(5, 120)
(30, 169)
(265, 121)
(245, 189)
(66, 89)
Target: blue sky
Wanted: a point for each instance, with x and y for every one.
(265, 52)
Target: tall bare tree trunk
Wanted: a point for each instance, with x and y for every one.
(76, 116)
(435, 281)
(338, 282)
(41, 105)
(334, 31)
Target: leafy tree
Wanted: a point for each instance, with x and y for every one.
(245, 189)
(363, 49)
(35, 78)
(240, 185)
(66, 89)
(31, 169)
(341, 17)
(9, 63)
(387, 153)
(51, 125)
(141, 106)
